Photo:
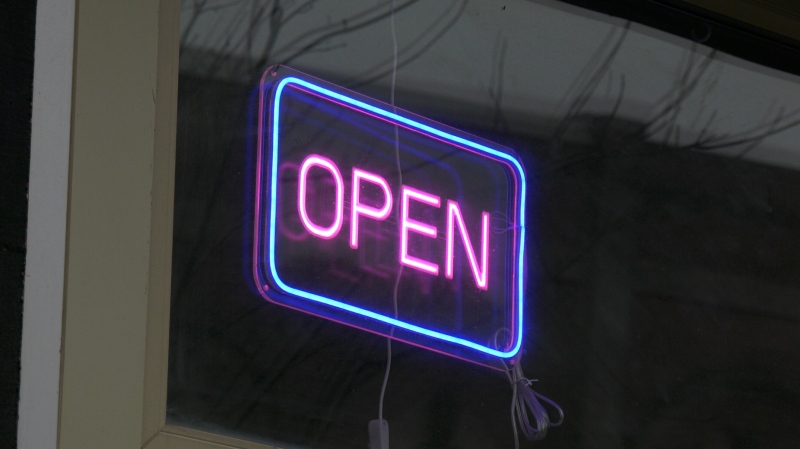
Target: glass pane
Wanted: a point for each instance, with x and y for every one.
(662, 244)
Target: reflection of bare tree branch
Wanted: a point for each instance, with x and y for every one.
(385, 66)
(302, 9)
(275, 24)
(269, 56)
(667, 115)
(339, 393)
(586, 157)
(669, 110)
(601, 65)
(692, 79)
(311, 41)
(497, 81)
(754, 135)
(346, 28)
(198, 9)
(196, 250)
(271, 375)
(224, 54)
(255, 18)
(615, 110)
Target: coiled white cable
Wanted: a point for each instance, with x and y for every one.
(527, 412)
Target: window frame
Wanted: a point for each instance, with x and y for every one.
(114, 342)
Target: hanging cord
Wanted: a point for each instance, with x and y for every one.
(527, 412)
(400, 183)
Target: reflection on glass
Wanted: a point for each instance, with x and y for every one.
(663, 233)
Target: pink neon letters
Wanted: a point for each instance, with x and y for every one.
(455, 219)
(316, 160)
(407, 224)
(454, 216)
(361, 209)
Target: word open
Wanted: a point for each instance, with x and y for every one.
(359, 210)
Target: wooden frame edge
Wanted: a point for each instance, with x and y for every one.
(176, 437)
(158, 293)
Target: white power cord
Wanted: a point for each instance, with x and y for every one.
(527, 412)
(379, 429)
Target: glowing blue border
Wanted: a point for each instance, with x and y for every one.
(427, 129)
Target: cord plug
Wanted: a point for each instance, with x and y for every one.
(378, 434)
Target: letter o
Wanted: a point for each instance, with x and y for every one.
(331, 231)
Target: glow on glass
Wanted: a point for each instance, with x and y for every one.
(407, 224)
(481, 272)
(438, 134)
(331, 231)
(368, 211)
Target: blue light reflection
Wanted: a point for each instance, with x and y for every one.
(393, 117)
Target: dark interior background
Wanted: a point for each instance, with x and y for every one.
(17, 25)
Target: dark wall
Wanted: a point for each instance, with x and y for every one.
(17, 25)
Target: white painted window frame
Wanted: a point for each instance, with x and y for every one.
(97, 292)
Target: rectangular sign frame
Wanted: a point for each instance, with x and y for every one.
(268, 280)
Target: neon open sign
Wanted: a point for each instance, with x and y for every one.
(387, 221)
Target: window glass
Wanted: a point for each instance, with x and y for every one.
(662, 244)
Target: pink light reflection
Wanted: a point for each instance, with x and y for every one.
(408, 224)
(283, 226)
(361, 209)
(481, 273)
(315, 160)
(371, 259)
